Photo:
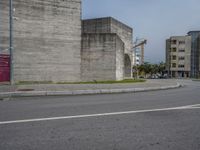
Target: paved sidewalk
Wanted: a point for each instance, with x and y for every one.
(78, 89)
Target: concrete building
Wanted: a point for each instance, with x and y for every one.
(195, 53)
(178, 56)
(106, 49)
(102, 57)
(48, 47)
(47, 39)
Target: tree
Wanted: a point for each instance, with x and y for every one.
(145, 68)
(162, 68)
(148, 68)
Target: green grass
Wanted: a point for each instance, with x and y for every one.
(105, 82)
(90, 82)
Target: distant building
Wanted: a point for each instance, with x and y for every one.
(195, 53)
(178, 56)
(106, 49)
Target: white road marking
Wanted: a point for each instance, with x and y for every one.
(196, 106)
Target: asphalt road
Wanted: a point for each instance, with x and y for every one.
(135, 121)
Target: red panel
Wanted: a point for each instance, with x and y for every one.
(4, 68)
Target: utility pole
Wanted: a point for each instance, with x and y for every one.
(11, 40)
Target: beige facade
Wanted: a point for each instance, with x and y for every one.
(178, 56)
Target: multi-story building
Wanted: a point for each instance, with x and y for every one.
(195, 53)
(178, 56)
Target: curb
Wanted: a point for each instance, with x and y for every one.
(196, 80)
(84, 92)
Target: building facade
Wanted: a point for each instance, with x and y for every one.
(178, 56)
(106, 26)
(51, 43)
(195, 53)
(102, 57)
(46, 39)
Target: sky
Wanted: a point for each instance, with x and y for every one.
(154, 20)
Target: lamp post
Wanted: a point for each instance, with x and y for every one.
(11, 39)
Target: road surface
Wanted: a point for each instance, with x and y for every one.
(158, 120)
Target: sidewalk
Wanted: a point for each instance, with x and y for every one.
(80, 89)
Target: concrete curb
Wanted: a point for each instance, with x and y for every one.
(196, 80)
(84, 92)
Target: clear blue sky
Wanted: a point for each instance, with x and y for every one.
(155, 20)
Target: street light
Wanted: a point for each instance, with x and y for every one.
(11, 40)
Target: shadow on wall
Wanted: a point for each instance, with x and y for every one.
(127, 66)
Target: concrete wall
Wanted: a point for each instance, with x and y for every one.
(99, 25)
(47, 39)
(125, 33)
(4, 27)
(111, 25)
(120, 61)
(102, 57)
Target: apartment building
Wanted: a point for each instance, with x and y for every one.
(178, 56)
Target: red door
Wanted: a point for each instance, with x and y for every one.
(4, 68)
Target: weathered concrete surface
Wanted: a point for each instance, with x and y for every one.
(111, 25)
(102, 57)
(47, 39)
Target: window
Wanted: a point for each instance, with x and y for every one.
(181, 50)
(174, 65)
(181, 42)
(181, 66)
(173, 41)
(174, 49)
(181, 58)
(173, 57)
